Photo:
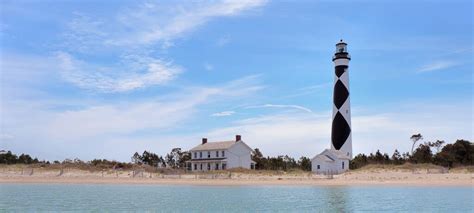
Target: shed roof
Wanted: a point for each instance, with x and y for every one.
(329, 154)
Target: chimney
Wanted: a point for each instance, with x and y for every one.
(204, 140)
(238, 138)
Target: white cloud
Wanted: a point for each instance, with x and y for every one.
(222, 114)
(138, 74)
(437, 65)
(151, 23)
(281, 106)
(85, 34)
(131, 37)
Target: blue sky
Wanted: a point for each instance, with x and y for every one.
(103, 80)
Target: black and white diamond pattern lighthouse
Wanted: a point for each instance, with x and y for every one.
(341, 134)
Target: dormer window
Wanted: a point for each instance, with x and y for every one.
(208, 154)
(195, 155)
(217, 154)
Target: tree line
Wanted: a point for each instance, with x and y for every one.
(280, 162)
(10, 158)
(460, 153)
(176, 159)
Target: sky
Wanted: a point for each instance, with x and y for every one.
(104, 79)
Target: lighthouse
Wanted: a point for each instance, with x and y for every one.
(336, 159)
(341, 134)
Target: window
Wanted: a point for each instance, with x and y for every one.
(319, 167)
(195, 167)
(208, 154)
(217, 154)
(341, 47)
(217, 166)
(195, 155)
(223, 166)
(223, 153)
(342, 165)
(208, 166)
(201, 166)
(200, 154)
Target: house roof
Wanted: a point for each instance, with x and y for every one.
(323, 158)
(328, 154)
(213, 146)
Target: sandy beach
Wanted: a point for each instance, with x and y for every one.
(358, 177)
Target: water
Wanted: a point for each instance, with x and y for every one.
(91, 197)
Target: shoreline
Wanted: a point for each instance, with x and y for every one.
(234, 182)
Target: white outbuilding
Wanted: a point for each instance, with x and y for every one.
(330, 161)
(221, 155)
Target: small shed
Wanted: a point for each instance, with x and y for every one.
(330, 161)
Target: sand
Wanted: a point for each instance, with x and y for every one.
(372, 177)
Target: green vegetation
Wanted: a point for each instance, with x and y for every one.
(281, 162)
(176, 159)
(458, 154)
(10, 158)
(461, 153)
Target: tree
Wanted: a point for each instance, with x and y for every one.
(438, 144)
(305, 163)
(258, 158)
(406, 156)
(422, 154)
(358, 161)
(415, 138)
(386, 159)
(177, 159)
(397, 158)
(289, 163)
(379, 158)
(183, 156)
(136, 158)
(150, 158)
(8, 158)
(25, 159)
(459, 153)
(170, 162)
(163, 162)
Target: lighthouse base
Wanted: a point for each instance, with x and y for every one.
(329, 162)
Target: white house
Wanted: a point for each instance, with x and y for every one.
(220, 155)
(330, 161)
